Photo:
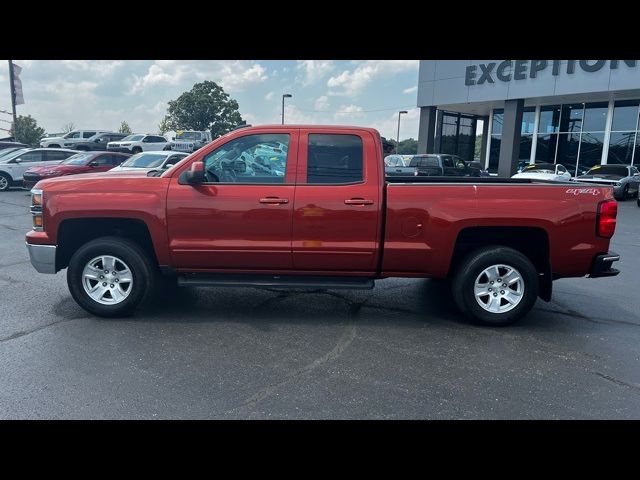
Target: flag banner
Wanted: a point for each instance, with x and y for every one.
(17, 84)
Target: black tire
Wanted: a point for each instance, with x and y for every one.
(5, 182)
(625, 192)
(142, 269)
(135, 150)
(82, 149)
(464, 278)
(55, 145)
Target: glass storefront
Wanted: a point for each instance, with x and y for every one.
(456, 134)
(575, 135)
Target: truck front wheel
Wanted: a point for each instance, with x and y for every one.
(110, 276)
(495, 285)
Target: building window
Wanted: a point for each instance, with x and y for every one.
(623, 140)
(549, 119)
(546, 148)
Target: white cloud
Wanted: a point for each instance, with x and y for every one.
(102, 67)
(388, 127)
(352, 82)
(269, 96)
(349, 111)
(410, 89)
(322, 103)
(313, 70)
(232, 75)
(239, 74)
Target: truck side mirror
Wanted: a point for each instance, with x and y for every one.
(195, 175)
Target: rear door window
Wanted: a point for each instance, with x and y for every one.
(334, 159)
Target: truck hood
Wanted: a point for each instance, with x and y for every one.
(85, 180)
(59, 168)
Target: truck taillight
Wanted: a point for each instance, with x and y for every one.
(606, 218)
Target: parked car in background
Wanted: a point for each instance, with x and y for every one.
(69, 139)
(6, 145)
(477, 165)
(13, 166)
(99, 141)
(151, 161)
(189, 140)
(397, 160)
(86, 162)
(625, 179)
(138, 142)
(435, 165)
(554, 172)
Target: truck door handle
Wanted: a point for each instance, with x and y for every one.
(274, 200)
(358, 201)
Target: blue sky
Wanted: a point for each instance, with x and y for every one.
(101, 94)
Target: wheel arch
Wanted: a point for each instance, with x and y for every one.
(75, 232)
(533, 242)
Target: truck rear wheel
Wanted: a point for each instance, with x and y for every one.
(495, 285)
(110, 276)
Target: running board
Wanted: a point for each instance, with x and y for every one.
(274, 281)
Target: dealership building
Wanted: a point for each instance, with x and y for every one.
(579, 113)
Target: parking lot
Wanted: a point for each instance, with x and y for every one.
(401, 350)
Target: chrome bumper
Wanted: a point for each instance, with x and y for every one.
(43, 257)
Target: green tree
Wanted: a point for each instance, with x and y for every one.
(125, 128)
(27, 131)
(163, 126)
(205, 107)
(478, 147)
(408, 146)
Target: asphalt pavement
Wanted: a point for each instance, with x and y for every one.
(400, 351)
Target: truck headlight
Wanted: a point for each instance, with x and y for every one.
(36, 210)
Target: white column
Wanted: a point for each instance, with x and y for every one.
(534, 140)
(489, 131)
(607, 133)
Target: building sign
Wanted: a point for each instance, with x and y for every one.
(509, 70)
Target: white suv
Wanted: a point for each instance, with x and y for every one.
(70, 139)
(137, 143)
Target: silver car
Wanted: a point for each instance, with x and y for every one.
(625, 179)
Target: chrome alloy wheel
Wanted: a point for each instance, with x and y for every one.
(499, 288)
(107, 280)
(4, 183)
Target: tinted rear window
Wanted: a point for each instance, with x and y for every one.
(334, 158)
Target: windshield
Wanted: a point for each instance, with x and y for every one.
(188, 136)
(7, 151)
(616, 170)
(132, 138)
(78, 159)
(14, 154)
(145, 160)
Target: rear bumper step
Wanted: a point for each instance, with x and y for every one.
(602, 265)
(274, 281)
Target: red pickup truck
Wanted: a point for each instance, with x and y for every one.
(303, 206)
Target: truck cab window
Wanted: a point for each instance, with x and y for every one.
(334, 159)
(260, 158)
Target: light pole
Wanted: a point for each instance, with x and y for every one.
(398, 138)
(286, 95)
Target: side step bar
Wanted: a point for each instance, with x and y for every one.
(273, 281)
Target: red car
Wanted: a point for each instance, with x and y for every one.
(90, 162)
(318, 213)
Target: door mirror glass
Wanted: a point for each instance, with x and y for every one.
(195, 175)
(94, 163)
